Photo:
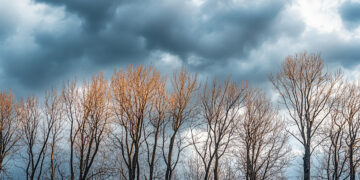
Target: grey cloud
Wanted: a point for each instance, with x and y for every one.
(115, 33)
(5, 28)
(95, 13)
(347, 54)
(7, 22)
(334, 48)
(350, 14)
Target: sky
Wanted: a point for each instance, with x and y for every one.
(45, 42)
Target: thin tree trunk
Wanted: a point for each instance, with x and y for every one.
(72, 174)
(351, 162)
(216, 166)
(306, 159)
(153, 154)
(168, 168)
(248, 164)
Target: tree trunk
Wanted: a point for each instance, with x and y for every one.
(152, 163)
(1, 162)
(130, 169)
(351, 162)
(206, 177)
(52, 165)
(72, 174)
(248, 164)
(134, 161)
(216, 166)
(1, 148)
(306, 159)
(168, 168)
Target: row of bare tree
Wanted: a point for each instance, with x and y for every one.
(140, 126)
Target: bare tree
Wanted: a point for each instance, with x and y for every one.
(181, 109)
(193, 168)
(73, 112)
(350, 111)
(334, 146)
(53, 113)
(262, 148)
(92, 127)
(36, 136)
(141, 124)
(132, 94)
(228, 169)
(153, 128)
(9, 128)
(221, 110)
(87, 110)
(305, 88)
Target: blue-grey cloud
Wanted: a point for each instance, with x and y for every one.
(94, 13)
(218, 38)
(350, 14)
(110, 33)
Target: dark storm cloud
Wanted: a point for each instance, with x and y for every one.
(95, 13)
(109, 33)
(350, 14)
(237, 30)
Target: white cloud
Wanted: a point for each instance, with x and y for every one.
(28, 19)
(165, 61)
(320, 15)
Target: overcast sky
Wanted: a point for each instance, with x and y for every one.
(44, 42)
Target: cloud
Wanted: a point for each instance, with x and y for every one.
(45, 42)
(95, 14)
(350, 14)
(64, 38)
